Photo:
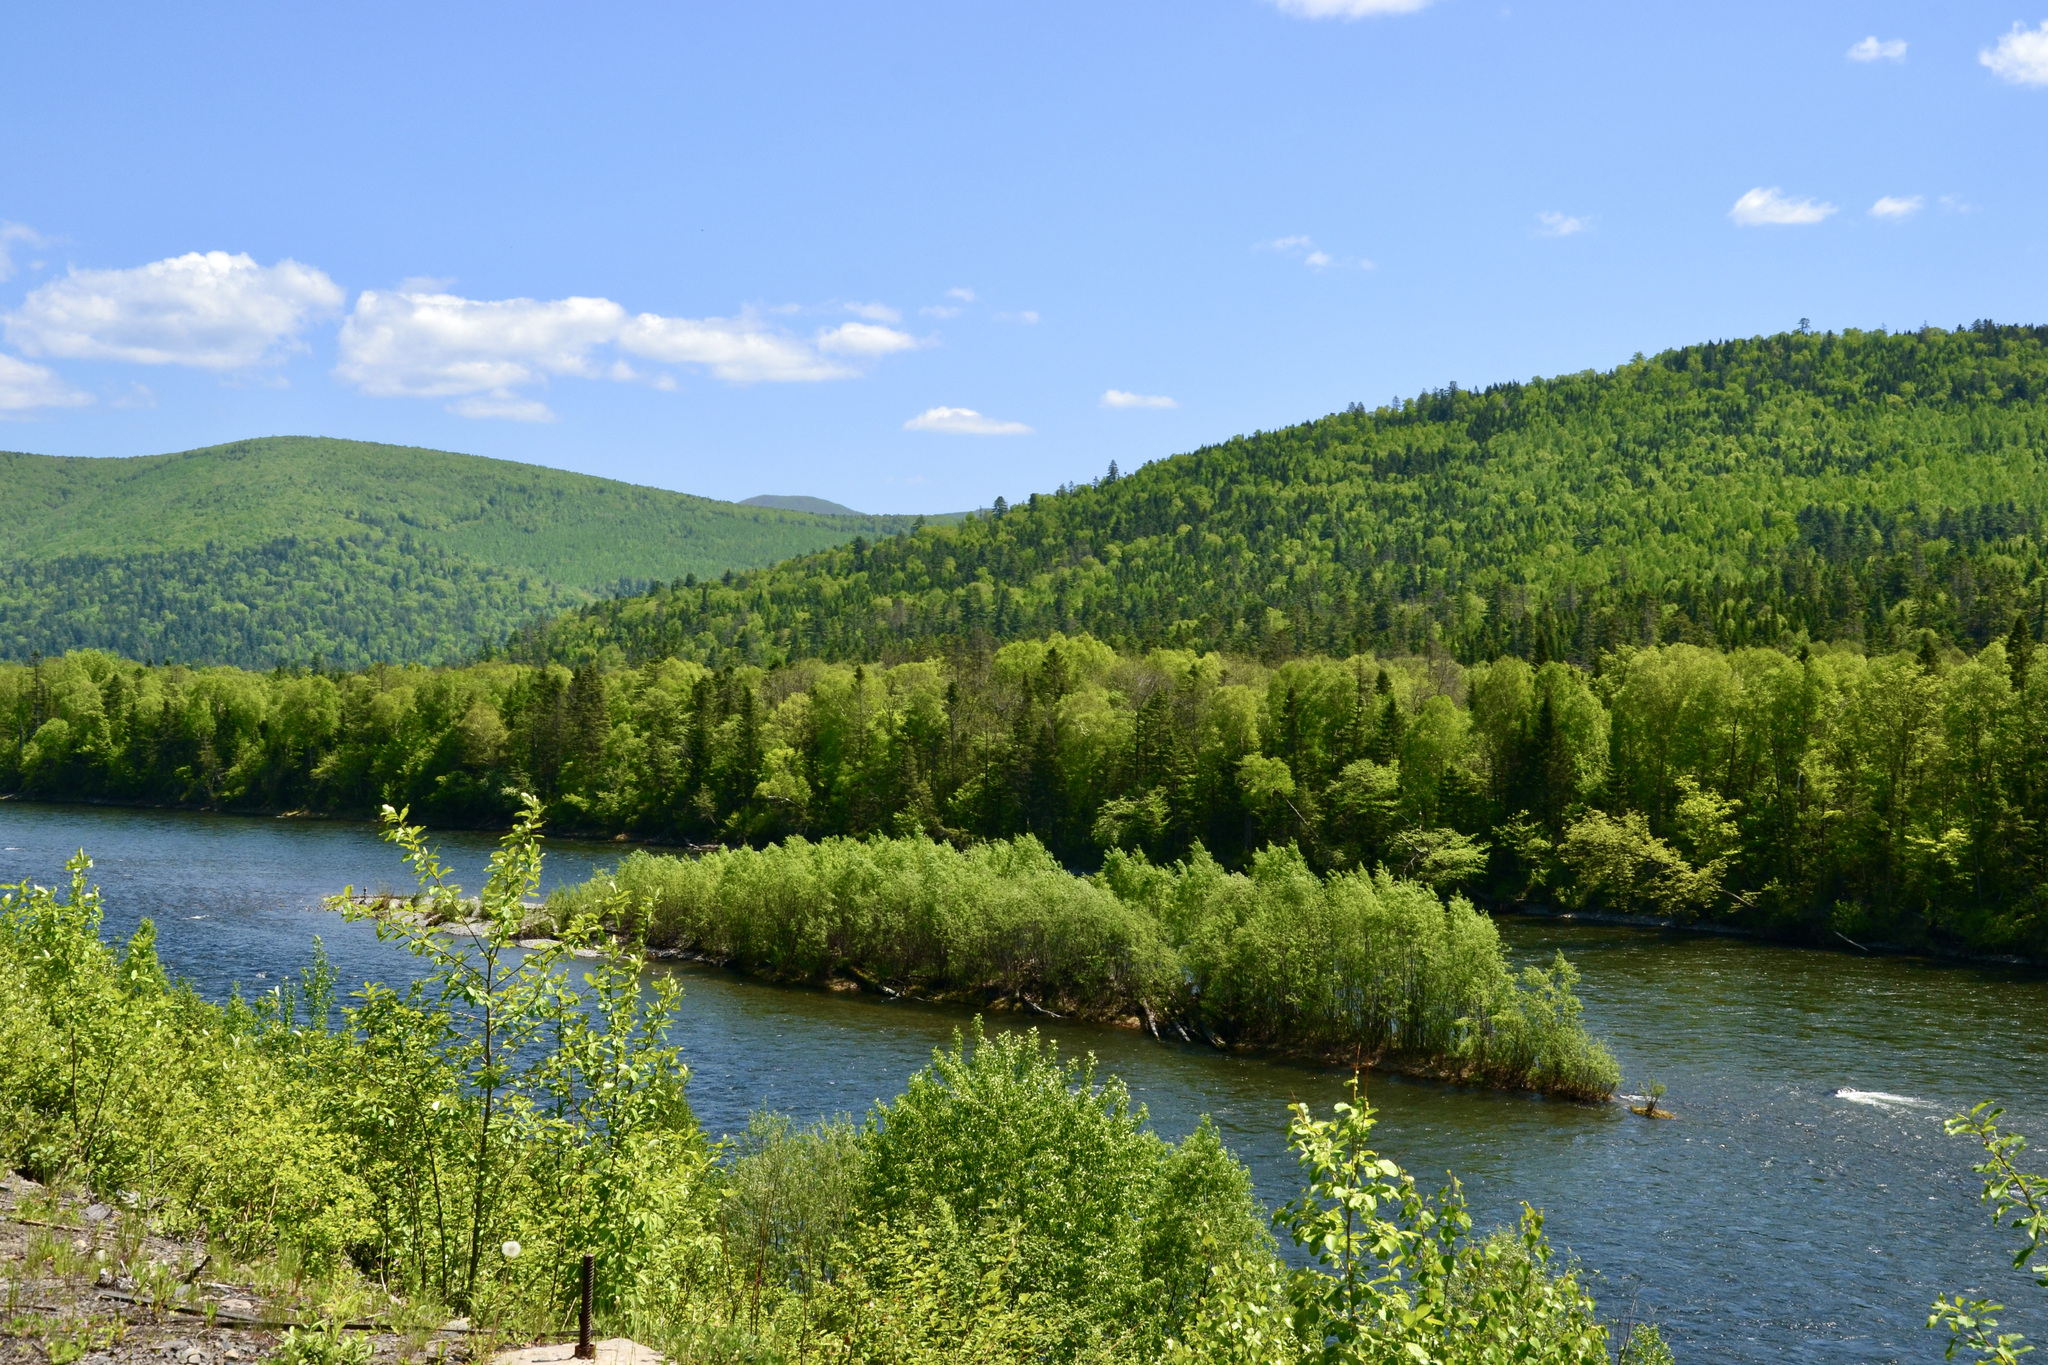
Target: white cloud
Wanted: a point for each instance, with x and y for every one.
(2021, 55)
(1769, 207)
(963, 422)
(1563, 224)
(213, 311)
(138, 396)
(11, 233)
(1347, 9)
(484, 353)
(962, 293)
(1027, 317)
(1118, 398)
(874, 312)
(1872, 49)
(24, 387)
(433, 345)
(1312, 256)
(741, 350)
(864, 340)
(1895, 206)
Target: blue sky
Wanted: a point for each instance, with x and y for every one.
(906, 256)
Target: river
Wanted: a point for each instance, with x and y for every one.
(1804, 1206)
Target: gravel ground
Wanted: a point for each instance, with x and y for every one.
(85, 1283)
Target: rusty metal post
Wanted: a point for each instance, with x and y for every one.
(585, 1349)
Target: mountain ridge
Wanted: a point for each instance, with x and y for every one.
(282, 549)
(1865, 486)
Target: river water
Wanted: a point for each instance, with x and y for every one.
(1804, 1206)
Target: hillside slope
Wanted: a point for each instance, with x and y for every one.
(291, 548)
(1862, 486)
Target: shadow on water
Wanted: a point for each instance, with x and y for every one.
(1804, 1204)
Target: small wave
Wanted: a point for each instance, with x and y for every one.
(1882, 1099)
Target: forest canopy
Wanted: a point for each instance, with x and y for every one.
(1799, 488)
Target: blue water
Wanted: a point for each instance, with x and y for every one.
(1804, 1206)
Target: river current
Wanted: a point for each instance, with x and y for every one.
(1804, 1206)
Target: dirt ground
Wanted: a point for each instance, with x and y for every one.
(87, 1283)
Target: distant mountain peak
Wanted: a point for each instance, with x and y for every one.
(797, 502)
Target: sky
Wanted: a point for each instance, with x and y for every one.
(911, 257)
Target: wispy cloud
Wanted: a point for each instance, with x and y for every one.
(1563, 224)
(10, 233)
(507, 408)
(2021, 55)
(1771, 208)
(875, 312)
(1875, 49)
(1347, 9)
(962, 293)
(212, 310)
(1897, 206)
(864, 340)
(1118, 398)
(1026, 317)
(1304, 249)
(25, 387)
(963, 422)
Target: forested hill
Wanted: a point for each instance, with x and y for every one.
(1858, 485)
(292, 548)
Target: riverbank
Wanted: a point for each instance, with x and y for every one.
(1666, 924)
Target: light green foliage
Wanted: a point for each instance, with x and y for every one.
(569, 1129)
(1645, 1346)
(327, 1344)
(1353, 965)
(1395, 1274)
(111, 1076)
(291, 548)
(2019, 1200)
(1056, 1185)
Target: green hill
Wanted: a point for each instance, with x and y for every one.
(291, 548)
(1859, 486)
(798, 502)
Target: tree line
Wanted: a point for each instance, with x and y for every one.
(1862, 487)
(1819, 793)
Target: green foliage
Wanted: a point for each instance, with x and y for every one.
(291, 549)
(110, 1075)
(1645, 1346)
(1811, 794)
(2019, 1200)
(1354, 966)
(1395, 1274)
(1856, 486)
